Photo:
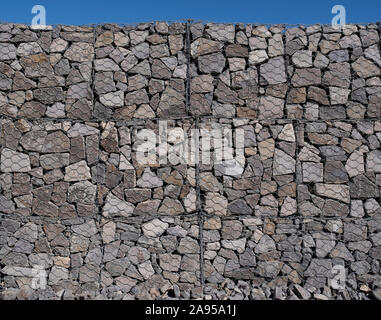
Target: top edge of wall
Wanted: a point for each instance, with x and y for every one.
(169, 22)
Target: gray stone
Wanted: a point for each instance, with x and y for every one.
(56, 142)
(373, 161)
(117, 207)
(312, 172)
(28, 232)
(12, 161)
(319, 268)
(266, 244)
(214, 62)
(77, 172)
(87, 229)
(283, 163)
(82, 192)
(54, 160)
(154, 228)
(170, 262)
(221, 32)
(334, 191)
(80, 52)
(8, 51)
(149, 180)
(273, 71)
(239, 207)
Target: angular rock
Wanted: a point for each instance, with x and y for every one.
(116, 207)
(77, 172)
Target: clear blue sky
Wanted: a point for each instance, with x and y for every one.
(80, 12)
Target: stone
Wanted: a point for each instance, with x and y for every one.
(360, 267)
(32, 110)
(58, 45)
(216, 204)
(236, 245)
(48, 95)
(57, 110)
(108, 232)
(146, 270)
(312, 172)
(306, 77)
(105, 64)
(355, 164)
(149, 180)
(289, 207)
(80, 52)
(116, 207)
(266, 244)
(80, 129)
(138, 255)
(112, 99)
(373, 54)
(8, 51)
(302, 292)
(154, 228)
(78, 244)
(239, 207)
(188, 245)
(235, 50)
(87, 229)
(365, 68)
(354, 232)
(170, 262)
(160, 70)
(54, 160)
(202, 84)
(137, 195)
(171, 104)
(221, 32)
(287, 133)
(318, 94)
(82, 192)
(302, 58)
(362, 187)
(56, 142)
(335, 172)
(341, 251)
(319, 268)
(37, 65)
(269, 269)
(373, 162)
(20, 82)
(28, 232)
(202, 46)
(338, 95)
(357, 209)
(257, 57)
(171, 207)
(283, 163)
(77, 172)
(333, 191)
(6, 206)
(12, 161)
(266, 148)
(324, 247)
(214, 62)
(273, 71)
(270, 108)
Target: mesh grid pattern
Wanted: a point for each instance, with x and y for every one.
(299, 198)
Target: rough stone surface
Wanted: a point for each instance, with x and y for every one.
(271, 216)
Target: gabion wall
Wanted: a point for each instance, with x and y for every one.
(78, 208)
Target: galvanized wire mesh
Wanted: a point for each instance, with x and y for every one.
(300, 196)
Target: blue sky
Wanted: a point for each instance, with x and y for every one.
(82, 12)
